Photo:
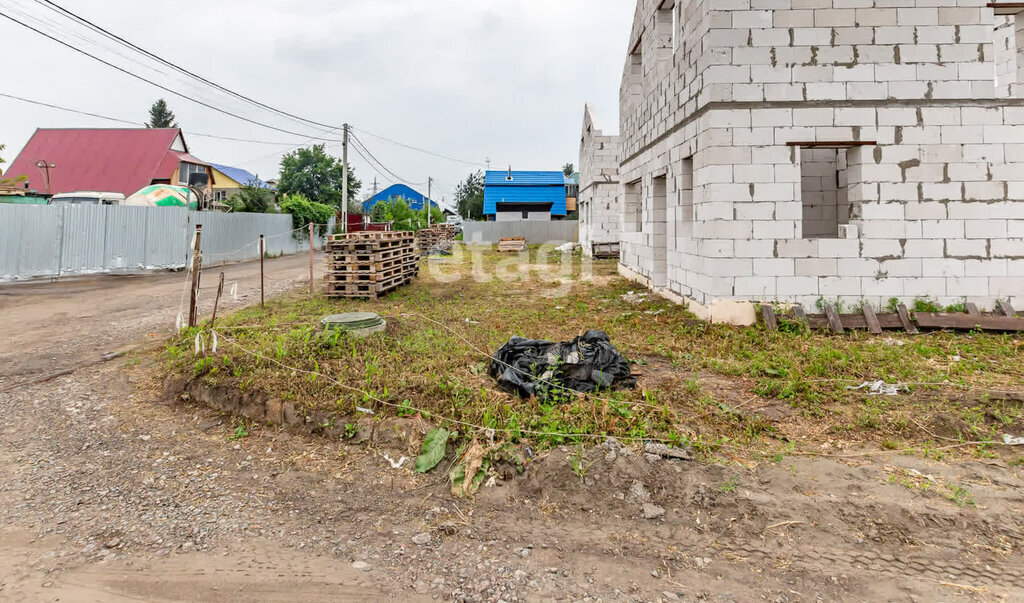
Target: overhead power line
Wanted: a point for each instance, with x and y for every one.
(97, 28)
(325, 128)
(136, 124)
(360, 148)
(419, 150)
(151, 82)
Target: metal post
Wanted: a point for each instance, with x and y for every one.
(311, 258)
(263, 252)
(197, 265)
(430, 184)
(344, 183)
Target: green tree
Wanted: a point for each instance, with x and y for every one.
(253, 199)
(469, 197)
(568, 169)
(318, 176)
(303, 211)
(396, 210)
(160, 116)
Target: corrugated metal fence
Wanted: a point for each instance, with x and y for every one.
(65, 240)
(535, 232)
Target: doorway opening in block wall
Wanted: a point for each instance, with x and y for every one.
(632, 208)
(658, 239)
(824, 191)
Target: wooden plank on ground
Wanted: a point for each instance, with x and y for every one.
(835, 323)
(908, 325)
(798, 312)
(873, 325)
(1006, 307)
(966, 322)
(972, 309)
(768, 314)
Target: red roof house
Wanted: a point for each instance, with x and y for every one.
(108, 160)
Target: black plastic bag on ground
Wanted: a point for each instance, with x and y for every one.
(534, 367)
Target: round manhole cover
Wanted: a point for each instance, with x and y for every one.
(359, 324)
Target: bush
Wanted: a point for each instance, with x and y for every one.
(304, 211)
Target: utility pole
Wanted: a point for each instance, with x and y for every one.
(430, 206)
(488, 160)
(374, 187)
(344, 184)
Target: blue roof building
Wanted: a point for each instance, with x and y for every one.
(526, 192)
(413, 199)
(240, 177)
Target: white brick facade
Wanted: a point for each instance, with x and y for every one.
(600, 188)
(793, 150)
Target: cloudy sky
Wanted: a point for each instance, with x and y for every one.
(470, 79)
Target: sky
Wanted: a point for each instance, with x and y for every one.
(500, 79)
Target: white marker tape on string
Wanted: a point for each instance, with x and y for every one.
(234, 290)
(179, 323)
(214, 342)
(199, 343)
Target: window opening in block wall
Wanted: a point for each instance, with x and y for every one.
(685, 187)
(658, 228)
(632, 207)
(823, 191)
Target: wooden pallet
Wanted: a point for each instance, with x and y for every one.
(344, 266)
(1005, 320)
(370, 235)
(371, 276)
(345, 255)
(513, 244)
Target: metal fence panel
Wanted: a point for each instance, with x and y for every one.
(83, 238)
(56, 240)
(535, 232)
(124, 246)
(28, 241)
(166, 231)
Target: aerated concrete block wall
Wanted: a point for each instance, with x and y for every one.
(856, 150)
(600, 187)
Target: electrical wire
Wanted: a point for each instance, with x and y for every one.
(419, 150)
(149, 81)
(357, 144)
(112, 36)
(132, 123)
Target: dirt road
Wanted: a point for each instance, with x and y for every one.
(112, 491)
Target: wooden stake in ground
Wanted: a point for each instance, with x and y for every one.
(263, 252)
(216, 302)
(311, 258)
(197, 265)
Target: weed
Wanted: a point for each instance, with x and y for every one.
(959, 495)
(241, 431)
(351, 431)
(579, 463)
(731, 484)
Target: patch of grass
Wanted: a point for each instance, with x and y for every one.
(699, 383)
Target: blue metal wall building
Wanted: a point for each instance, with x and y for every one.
(524, 189)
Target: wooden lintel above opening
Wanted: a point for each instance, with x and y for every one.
(1007, 8)
(832, 144)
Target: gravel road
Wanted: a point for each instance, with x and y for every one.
(113, 491)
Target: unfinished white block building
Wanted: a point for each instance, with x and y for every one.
(794, 150)
(600, 189)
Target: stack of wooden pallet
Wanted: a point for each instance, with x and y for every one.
(513, 244)
(370, 264)
(439, 236)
